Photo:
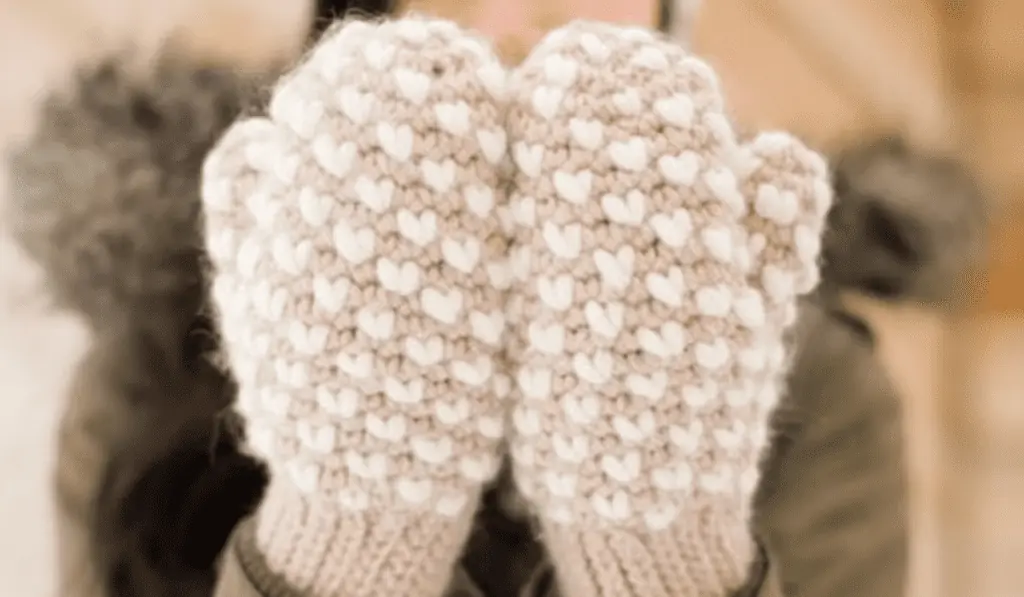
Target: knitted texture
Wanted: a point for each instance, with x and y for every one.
(359, 274)
(656, 263)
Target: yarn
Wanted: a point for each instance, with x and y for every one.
(657, 260)
(367, 261)
(359, 278)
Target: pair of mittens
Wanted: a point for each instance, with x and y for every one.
(371, 240)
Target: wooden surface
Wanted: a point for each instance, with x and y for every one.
(950, 75)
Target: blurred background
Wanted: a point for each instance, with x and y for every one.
(947, 74)
(950, 76)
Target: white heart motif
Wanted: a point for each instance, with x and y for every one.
(396, 142)
(420, 230)
(560, 71)
(528, 158)
(425, 353)
(594, 47)
(677, 110)
(440, 177)
(336, 159)
(343, 404)
(378, 55)
(404, 393)
(452, 414)
(357, 366)
(289, 107)
(494, 78)
(556, 293)
(376, 195)
(616, 269)
(402, 279)
(390, 429)
(534, 383)
(377, 326)
(493, 144)
(330, 295)
(290, 257)
(667, 288)
(479, 200)
(667, 342)
(615, 507)
(311, 339)
(651, 58)
(634, 432)
(596, 369)
(628, 102)
(718, 240)
(487, 328)
(573, 187)
(629, 155)
(622, 469)
(547, 100)
(574, 449)
(714, 301)
(415, 492)
(370, 466)
(674, 230)
(651, 387)
(582, 410)
(713, 355)
(436, 451)
(445, 307)
(605, 320)
(453, 118)
(475, 373)
(680, 169)
(354, 104)
(315, 208)
(462, 256)
(628, 211)
(687, 438)
(356, 246)
(564, 243)
(778, 207)
(588, 134)
(318, 438)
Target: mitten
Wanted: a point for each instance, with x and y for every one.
(656, 262)
(359, 270)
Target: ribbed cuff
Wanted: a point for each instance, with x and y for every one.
(295, 548)
(707, 554)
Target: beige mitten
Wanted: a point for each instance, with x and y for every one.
(656, 263)
(359, 281)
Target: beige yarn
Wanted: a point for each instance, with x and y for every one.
(366, 262)
(359, 271)
(656, 261)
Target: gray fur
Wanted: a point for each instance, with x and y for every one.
(905, 225)
(105, 197)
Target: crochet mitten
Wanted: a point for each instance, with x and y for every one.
(359, 274)
(656, 263)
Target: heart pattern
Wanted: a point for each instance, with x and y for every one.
(344, 288)
(641, 312)
(368, 268)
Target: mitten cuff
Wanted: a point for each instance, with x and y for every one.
(703, 554)
(297, 546)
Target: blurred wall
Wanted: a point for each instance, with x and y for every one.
(950, 76)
